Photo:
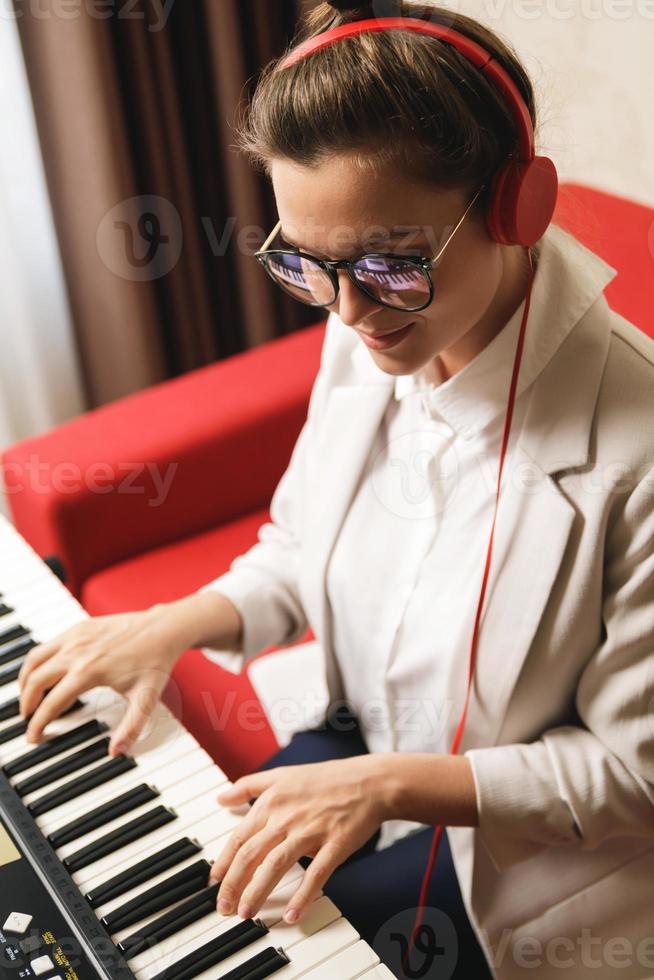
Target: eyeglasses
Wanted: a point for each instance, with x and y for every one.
(397, 282)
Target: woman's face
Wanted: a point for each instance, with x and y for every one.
(337, 211)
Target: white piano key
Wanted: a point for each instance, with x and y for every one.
(9, 692)
(171, 950)
(47, 763)
(200, 789)
(208, 853)
(58, 783)
(205, 832)
(197, 826)
(162, 779)
(60, 726)
(101, 911)
(322, 950)
(353, 961)
(165, 774)
(320, 915)
(380, 972)
(183, 743)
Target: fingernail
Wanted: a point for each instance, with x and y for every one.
(245, 911)
(224, 907)
(291, 915)
(118, 748)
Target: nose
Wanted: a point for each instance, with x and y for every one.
(353, 304)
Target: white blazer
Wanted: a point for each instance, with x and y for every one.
(558, 878)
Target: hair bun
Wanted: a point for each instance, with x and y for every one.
(346, 5)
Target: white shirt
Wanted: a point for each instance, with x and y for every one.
(412, 549)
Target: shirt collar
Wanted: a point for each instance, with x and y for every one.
(568, 278)
(473, 397)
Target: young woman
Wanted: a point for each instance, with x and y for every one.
(386, 144)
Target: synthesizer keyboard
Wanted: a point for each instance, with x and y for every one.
(104, 862)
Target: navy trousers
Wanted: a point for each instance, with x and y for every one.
(377, 891)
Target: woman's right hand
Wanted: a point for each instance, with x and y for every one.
(133, 653)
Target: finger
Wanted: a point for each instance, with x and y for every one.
(140, 707)
(37, 655)
(321, 868)
(250, 825)
(270, 872)
(41, 679)
(245, 862)
(247, 788)
(56, 701)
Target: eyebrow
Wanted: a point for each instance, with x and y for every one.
(363, 245)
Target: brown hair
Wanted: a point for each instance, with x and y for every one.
(388, 98)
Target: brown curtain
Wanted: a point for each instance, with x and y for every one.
(134, 103)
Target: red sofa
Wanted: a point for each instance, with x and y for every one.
(98, 492)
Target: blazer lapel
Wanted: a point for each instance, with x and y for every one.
(534, 520)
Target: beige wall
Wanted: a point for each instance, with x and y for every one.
(592, 62)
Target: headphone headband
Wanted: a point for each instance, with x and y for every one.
(525, 189)
(465, 45)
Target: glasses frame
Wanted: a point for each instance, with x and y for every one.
(330, 266)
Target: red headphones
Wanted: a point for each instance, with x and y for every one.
(524, 190)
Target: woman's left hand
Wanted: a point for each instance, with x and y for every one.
(323, 810)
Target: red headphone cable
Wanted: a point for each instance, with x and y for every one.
(422, 900)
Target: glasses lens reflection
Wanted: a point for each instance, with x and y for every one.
(303, 278)
(397, 283)
(393, 281)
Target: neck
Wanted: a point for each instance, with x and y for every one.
(507, 299)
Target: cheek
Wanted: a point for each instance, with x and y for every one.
(465, 290)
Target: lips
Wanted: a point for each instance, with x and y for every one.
(388, 339)
(385, 333)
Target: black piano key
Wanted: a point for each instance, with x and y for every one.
(4, 609)
(145, 870)
(103, 814)
(14, 633)
(14, 731)
(9, 674)
(181, 885)
(16, 650)
(215, 951)
(57, 745)
(81, 784)
(263, 965)
(11, 709)
(72, 763)
(171, 922)
(121, 837)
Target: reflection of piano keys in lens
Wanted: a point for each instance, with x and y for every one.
(408, 287)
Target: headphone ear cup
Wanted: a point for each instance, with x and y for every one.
(523, 200)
